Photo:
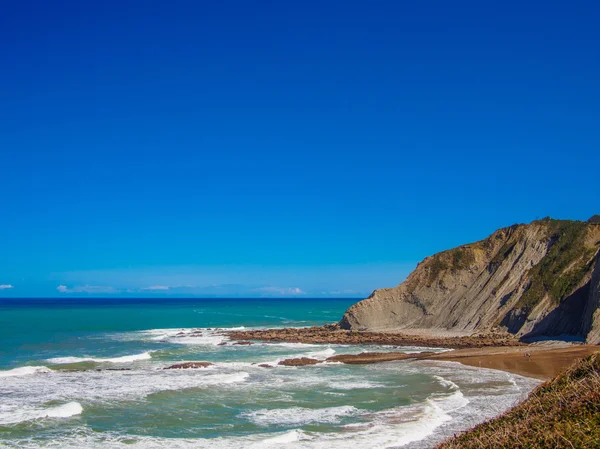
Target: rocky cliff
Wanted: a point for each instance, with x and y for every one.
(530, 280)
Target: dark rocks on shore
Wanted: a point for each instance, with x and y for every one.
(243, 343)
(187, 365)
(301, 361)
(266, 365)
(223, 343)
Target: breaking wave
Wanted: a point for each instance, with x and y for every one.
(24, 371)
(122, 359)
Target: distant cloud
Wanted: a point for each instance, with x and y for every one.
(86, 289)
(283, 291)
(6, 286)
(156, 287)
(342, 292)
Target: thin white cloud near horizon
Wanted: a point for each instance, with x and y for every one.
(6, 286)
(282, 290)
(86, 289)
(210, 291)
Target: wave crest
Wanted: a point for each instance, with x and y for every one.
(123, 359)
(25, 371)
(61, 411)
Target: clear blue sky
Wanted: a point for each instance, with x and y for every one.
(283, 148)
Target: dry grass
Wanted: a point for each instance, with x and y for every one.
(561, 413)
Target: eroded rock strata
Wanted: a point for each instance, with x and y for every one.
(538, 279)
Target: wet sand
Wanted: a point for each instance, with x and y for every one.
(538, 361)
(544, 361)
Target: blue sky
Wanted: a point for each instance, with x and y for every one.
(264, 148)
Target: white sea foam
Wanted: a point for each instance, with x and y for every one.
(29, 414)
(24, 371)
(285, 438)
(446, 383)
(299, 416)
(400, 435)
(198, 336)
(122, 359)
(188, 336)
(417, 426)
(328, 352)
(295, 345)
(353, 385)
(109, 386)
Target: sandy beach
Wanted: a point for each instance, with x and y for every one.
(542, 362)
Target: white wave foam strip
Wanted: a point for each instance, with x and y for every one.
(25, 371)
(199, 336)
(321, 354)
(23, 415)
(123, 359)
(433, 417)
(446, 383)
(106, 387)
(285, 438)
(294, 345)
(191, 336)
(296, 416)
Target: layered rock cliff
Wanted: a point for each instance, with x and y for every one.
(530, 280)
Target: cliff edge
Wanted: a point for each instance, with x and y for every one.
(537, 279)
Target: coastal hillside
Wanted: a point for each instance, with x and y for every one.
(562, 413)
(537, 279)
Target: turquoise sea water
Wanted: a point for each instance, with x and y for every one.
(86, 373)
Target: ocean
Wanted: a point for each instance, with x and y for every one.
(88, 373)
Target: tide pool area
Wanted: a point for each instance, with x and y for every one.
(86, 373)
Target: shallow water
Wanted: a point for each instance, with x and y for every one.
(59, 389)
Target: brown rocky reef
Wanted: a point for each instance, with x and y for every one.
(365, 358)
(537, 279)
(188, 365)
(300, 361)
(332, 334)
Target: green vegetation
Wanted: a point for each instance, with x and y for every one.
(462, 258)
(436, 266)
(562, 413)
(454, 259)
(563, 267)
(503, 253)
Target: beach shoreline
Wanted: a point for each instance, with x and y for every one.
(540, 360)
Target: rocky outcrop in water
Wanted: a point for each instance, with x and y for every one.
(365, 358)
(189, 365)
(300, 361)
(539, 279)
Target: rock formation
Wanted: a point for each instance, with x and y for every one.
(538, 279)
(301, 361)
(189, 365)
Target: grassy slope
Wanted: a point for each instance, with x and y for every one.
(563, 267)
(562, 413)
(557, 275)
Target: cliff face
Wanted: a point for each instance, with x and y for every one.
(592, 313)
(533, 279)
